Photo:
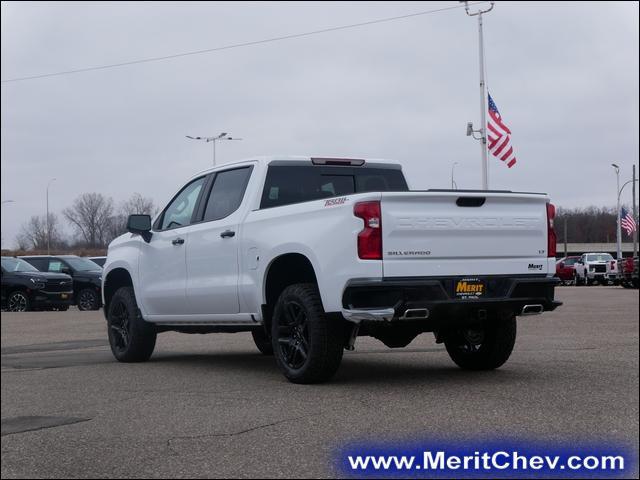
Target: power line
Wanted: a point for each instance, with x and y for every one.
(237, 45)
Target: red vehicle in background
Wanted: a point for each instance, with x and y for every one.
(629, 272)
(565, 270)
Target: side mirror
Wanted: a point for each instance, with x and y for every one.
(140, 225)
(561, 264)
(65, 270)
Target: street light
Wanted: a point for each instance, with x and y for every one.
(452, 182)
(619, 231)
(222, 136)
(48, 231)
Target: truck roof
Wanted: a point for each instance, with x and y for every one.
(267, 159)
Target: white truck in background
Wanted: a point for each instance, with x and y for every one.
(310, 253)
(593, 268)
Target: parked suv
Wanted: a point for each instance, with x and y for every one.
(87, 276)
(98, 260)
(25, 288)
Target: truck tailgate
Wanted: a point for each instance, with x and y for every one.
(451, 233)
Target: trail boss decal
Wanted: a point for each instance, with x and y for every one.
(470, 288)
(335, 201)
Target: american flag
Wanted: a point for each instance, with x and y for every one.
(627, 221)
(499, 136)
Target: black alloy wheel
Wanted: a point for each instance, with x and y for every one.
(87, 300)
(293, 335)
(119, 327)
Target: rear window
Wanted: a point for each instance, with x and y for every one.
(301, 183)
(599, 257)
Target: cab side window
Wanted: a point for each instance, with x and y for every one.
(227, 193)
(40, 263)
(55, 266)
(180, 211)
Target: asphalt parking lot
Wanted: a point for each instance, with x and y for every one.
(212, 406)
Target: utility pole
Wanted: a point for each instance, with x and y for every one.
(483, 100)
(48, 230)
(565, 236)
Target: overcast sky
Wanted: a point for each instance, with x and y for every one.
(564, 77)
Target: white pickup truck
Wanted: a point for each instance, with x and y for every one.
(310, 253)
(596, 267)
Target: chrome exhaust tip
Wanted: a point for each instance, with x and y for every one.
(415, 314)
(536, 309)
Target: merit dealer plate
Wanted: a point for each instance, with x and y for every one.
(470, 288)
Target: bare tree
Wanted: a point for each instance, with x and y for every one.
(587, 225)
(136, 204)
(33, 234)
(91, 215)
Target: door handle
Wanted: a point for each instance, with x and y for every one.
(178, 241)
(227, 234)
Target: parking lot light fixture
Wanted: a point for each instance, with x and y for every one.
(217, 138)
(618, 232)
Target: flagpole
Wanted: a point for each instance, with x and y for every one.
(483, 99)
(635, 215)
(483, 111)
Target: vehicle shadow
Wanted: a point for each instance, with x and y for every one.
(354, 370)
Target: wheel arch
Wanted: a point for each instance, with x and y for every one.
(115, 279)
(284, 270)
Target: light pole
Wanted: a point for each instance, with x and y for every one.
(619, 231)
(483, 101)
(222, 136)
(453, 184)
(48, 231)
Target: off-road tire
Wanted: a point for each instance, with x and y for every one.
(492, 352)
(307, 343)
(131, 338)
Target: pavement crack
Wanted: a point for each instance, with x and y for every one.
(174, 452)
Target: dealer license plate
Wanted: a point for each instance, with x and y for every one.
(470, 288)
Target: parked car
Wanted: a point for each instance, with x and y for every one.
(598, 268)
(25, 288)
(98, 260)
(309, 253)
(629, 272)
(565, 270)
(87, 276)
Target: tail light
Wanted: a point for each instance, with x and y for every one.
(551, 233)
(370, 238)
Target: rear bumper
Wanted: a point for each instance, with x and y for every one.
(434, 299)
